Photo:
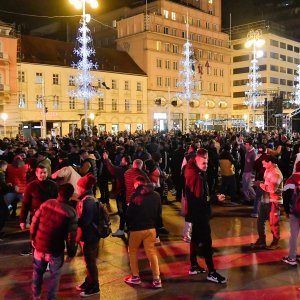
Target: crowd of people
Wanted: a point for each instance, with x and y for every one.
(56, 183)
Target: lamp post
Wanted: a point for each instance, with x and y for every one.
(84, 79)
(4, 117)
(254, 40)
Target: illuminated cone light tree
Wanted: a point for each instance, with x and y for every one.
(296, 93)
(83, 81)
(253, 100)
(187, 76)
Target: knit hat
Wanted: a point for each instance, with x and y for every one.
(87, 182)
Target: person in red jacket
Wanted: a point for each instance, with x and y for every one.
(53, 225)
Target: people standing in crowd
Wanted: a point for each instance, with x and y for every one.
(118, 172)
(199, 213)
(269, 206)
(142, 216)
(53, 228)
(248, 191)
(87, 233)
(213, 168)
(45, 161)
(36, 193)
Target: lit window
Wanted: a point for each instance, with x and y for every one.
(127, 105)
(71, 102)
(55, 79)
(38, 78)
(21, 76)
(139, 86)
(166, 14)
(114, 104)
(167, 64)
(173, 16)
(139, 105)
(100, 103)
(159, 81)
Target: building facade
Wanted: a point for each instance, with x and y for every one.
(277, 67)
(154, 35)
(8, 78)
(46, 79)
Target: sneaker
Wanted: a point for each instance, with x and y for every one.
(274, 245)
(81, 287)
(186, 239)
(26, 252)
(194, 270)
(290, 261)
(118, 233)
(90, 292)
(259, 244)
(157, 241)
(135, 280)
(216, 277)
(156, 283)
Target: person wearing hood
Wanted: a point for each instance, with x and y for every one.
(87, 233)
(143, 214)
(53, 225)
(45, 161)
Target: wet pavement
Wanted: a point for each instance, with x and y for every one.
(251, 274)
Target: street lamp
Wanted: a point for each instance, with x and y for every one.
(84, 79)
(4, 117)
(206, 116)
(254, 40)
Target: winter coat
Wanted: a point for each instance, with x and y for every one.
(16, 174)
(53, 224)
(144, 209)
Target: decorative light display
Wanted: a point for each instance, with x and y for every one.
(296, 93)
(84, 78)
(187, 75)
(254, 40)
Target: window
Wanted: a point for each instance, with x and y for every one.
(158, 45)
(192, 36)
(215, 87)
(282, 57)
(209, 86)
(282, 82)
(199, 38)
(241, 58)
(139, 105)
(139, 86)
(166, 30)
(55, 79)
(114, 84)
(274, 43)
(71, 102)
(114, 104)
(296, 61)
(175, 48)
(240, 82)
(72, 80)
(200, 85)
(274, 55)
(274, 80)
(173, 16)
(296, 49)
(167, 47)
(99, 82)
(207, 25)
(21, 76)
(167, 82)
(126, 85)
(174, 31)
(183, 34)
(39, 101)
(215, 72)
(127, 105)
(290, 47)
(274, 68)
(55, 102)
(175, 65)
(215, 56)
(175, 82)
(222, 72)
(290, 71)
(290, 59)
(22, 101)
(283, 45)
(159, 63)
(167, 64)
(221, 57)
(209, 55)
(241, 70)
(290, 82)
(159, 81)
(199, 23)
(157, 27)
(100, 103)
(38, 78)
(239, 95)
(166, 14)
(199, 53)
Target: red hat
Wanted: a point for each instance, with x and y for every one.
(87, 182)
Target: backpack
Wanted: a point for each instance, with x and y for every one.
(104, 225)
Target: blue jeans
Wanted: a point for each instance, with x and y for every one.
(40, 262)
(247, 186)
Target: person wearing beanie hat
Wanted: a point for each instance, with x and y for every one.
(87, 233)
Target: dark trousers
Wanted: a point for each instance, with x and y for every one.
(228, 187)
(177, 181)
(122, 207)
(90, 253)
(201, 241)
(103, 187)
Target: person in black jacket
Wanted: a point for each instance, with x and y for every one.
(53, 224)
(87, 233)
(142, 217)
